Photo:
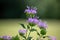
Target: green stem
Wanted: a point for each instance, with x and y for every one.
(41, 37)
(29, 32)
(26, 35)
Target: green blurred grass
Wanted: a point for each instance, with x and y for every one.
(11, 27)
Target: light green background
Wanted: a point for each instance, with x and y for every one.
(11, 27)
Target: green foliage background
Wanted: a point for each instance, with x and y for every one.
(46, 8)
(15, 8)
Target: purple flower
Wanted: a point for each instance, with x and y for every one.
(23, 31)
(30, 20)
(33, 20)
(52, 37)
(42, 24)
(33, 11)
(30, 10)
(7, 37)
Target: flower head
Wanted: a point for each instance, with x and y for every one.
(33, 20)
(30, 10)
(52, 37)
(42, 24)
(6, 37)
(30, 20)
(23, 31)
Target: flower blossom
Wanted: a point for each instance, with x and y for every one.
(33, 20)
(6, 37)
(30, 10)
(23, 31)
(42, 24)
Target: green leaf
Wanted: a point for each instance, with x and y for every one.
(44, 37)
(32, 24)
(22, 35)
(15, 38)
(23, 25)
(28, 26)
(42, 28)
(29, 38)
(27, 15)
(38, 34)
(43, 32)
(33, 30)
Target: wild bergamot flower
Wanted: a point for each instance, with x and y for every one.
(31, 10)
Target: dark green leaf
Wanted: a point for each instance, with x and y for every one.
(15, 38)
(28, 26)
(32, 24)
(33, 30)
(43, 32)
(38, 34)
(22, 35)
(27, 15)
(44, 37)
(42, 28)
(23, 25)
(29, 38)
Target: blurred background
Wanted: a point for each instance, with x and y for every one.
(12, 13)
(15, 8)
